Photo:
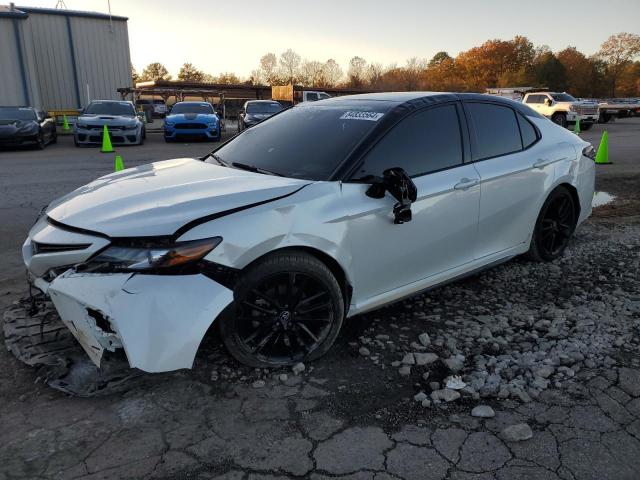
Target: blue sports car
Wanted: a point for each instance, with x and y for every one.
(192, 120)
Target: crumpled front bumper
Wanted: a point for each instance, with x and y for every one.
(159, 320)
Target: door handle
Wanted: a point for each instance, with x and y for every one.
(466, 183)
(541, 163)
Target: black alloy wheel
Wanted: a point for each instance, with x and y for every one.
(556, 223)
(288, 308)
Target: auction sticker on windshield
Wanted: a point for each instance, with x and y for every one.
(371, 116)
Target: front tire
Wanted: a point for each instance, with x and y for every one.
(288, 308)
(554, 227)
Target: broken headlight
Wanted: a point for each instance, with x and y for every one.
(119, 258)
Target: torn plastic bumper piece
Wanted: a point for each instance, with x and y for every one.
(159, 320)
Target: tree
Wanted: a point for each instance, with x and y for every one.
(289, 63)
(189, 73)
(357, 72)
(582, 75)
(268, 71)
(135, 78)
(228, 78)
(617, 52)
(438, 58)
(311, 73)
(155, 71)
(331, 73)
(549, 72)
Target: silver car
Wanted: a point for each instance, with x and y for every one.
(125, 127)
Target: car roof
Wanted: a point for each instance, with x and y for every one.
(262, 101)
(192, 103)
(407, 101)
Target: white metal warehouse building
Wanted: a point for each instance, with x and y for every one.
(57, 59)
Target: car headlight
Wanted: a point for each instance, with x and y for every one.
(212, 124)
(169, 124)
(117, 258)
(573, 108)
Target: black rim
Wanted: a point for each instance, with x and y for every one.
(285, 317)
(557, 225)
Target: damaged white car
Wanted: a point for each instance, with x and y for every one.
(321, 212)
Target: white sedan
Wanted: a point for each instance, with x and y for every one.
(322, 212)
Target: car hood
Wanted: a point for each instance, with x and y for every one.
(159, 198)
(13, 128)
(108, 120)
(190, 117)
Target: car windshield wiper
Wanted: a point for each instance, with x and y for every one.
(217, 159)
(253, 168)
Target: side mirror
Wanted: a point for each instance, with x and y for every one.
(401, 187)
(548, 102)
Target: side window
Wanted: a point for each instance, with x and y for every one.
(425, 142)
(496, 129)
(528, 132)
(531, 99)
(312, 96)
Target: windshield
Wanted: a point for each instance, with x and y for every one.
(264, 107)
(306, 142)
(124, 109)
(563, 97)
(192, 108)
(17, 113)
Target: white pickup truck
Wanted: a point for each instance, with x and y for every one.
(563, 109)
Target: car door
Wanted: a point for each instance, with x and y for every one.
(516, 170)
(431, 148)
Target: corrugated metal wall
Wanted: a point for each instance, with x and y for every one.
(68, 60)
(14, 90)
(102, 57)
(53, 60)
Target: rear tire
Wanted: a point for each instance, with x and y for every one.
(288, 308)
(554, 227)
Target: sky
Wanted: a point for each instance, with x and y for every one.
(218, 36)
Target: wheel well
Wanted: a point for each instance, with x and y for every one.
(574, 195)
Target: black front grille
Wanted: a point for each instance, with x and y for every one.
(184, 126)
(39, 248)
(101, 127)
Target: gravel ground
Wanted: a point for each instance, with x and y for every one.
(525, 371)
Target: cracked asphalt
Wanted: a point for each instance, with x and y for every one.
(349, 415)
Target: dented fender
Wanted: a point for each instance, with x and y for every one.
(160, 320)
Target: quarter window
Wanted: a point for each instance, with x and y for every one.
(425, 142)
(496, 130)
(529, 135)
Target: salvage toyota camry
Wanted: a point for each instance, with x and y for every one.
(321, 212)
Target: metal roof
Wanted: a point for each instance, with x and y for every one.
(69, 13)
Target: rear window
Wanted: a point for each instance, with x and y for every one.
(306, 141)
(496, 129)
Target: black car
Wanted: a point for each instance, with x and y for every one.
(26, 126)
(254, 111)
